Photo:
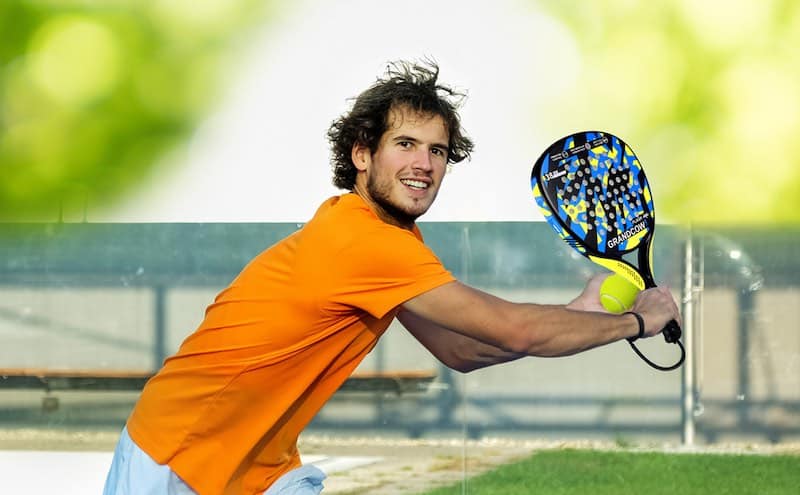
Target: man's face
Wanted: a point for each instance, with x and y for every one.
(401, 179)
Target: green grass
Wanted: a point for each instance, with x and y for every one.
(567, 472)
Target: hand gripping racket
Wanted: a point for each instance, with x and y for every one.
(592, 190)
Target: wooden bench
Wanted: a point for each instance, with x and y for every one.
(394, 382)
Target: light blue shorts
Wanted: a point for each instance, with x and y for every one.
(133, 472)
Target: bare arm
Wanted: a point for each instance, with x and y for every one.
(464, 353)
(456, 351)
(495, 330)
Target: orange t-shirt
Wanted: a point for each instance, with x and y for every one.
(225, 411)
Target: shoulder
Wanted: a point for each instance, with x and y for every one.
(346, 222)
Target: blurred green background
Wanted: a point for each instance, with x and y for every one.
(709, 93)
(94, 94)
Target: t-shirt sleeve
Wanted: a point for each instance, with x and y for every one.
(383, 270)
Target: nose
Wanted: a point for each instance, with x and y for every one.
(423, 160)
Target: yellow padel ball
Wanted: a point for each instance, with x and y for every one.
(617, 294)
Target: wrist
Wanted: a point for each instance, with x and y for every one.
(640, 326)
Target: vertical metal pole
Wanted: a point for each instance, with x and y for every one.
(380, 367)
(746, 307)
(455, 384)
(688, 384)
(160, 324)
(466, 261)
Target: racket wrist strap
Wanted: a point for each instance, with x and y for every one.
(640, 321)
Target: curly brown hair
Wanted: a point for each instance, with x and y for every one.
(413, 85)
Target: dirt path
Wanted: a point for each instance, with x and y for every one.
(400, 466)
(405, 467)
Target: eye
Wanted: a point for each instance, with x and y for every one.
(439, 152)
(404, 144)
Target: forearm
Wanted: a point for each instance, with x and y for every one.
(468, 354)
(550, 331)
(459, 352)
(518, 328)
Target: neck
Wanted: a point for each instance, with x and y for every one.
(395, 217)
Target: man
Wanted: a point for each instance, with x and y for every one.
(223, 415)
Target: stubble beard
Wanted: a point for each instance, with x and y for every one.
(380, 192)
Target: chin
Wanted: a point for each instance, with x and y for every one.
(417, 210)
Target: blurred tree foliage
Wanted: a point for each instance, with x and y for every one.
(706, 92)
(92, 92)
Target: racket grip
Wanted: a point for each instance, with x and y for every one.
(672, 332)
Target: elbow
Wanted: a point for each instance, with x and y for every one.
(464, 367)
(521, 340)
(461, 364)
(467, 358)
(514, 333)
(460, 369)
(527, 343)
(519, 344)
(538, 347)
(527, 337)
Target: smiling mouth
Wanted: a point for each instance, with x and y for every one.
(415, 184)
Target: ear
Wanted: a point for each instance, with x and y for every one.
(361, 156)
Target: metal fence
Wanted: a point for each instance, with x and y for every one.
(106, 297)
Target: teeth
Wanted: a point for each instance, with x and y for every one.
(415, 183)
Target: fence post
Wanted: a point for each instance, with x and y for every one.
(159, 326)
(688, 382)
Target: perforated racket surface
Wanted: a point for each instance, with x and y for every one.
(592, 190)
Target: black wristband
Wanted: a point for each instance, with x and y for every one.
(640, 320)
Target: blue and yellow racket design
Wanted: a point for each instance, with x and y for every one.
(592, 190)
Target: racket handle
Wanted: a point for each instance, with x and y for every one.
(672, 332)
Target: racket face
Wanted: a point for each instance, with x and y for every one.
(592, 190)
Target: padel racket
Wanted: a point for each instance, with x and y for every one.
(592, 190)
